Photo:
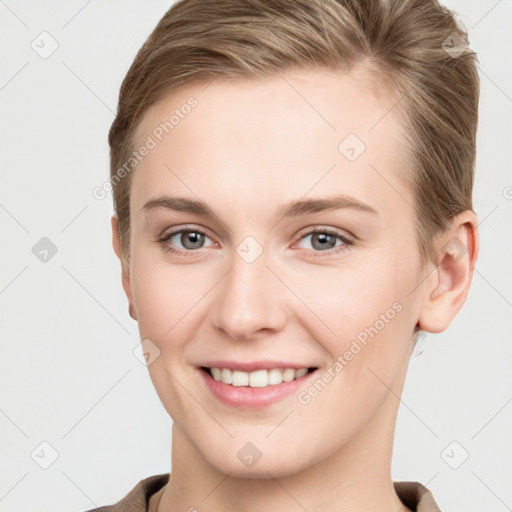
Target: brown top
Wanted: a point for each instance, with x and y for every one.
(145, 495)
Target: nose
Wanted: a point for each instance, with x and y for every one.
(251, 300)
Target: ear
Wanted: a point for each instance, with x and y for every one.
(449, 283)
(125, 270)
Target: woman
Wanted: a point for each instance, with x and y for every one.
(292, 184)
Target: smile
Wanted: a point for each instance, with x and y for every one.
(258, 378)
(254, 389)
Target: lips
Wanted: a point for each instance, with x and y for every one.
(254, 385)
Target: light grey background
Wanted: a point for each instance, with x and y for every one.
(68, 373)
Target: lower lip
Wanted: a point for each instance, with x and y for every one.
(253, 398)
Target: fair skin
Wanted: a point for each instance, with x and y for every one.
(247, 148)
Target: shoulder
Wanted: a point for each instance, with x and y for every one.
(138, 498)
(416, 496)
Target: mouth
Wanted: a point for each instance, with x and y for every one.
(258, 378)
(254, 389)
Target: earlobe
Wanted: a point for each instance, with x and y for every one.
(451, 279)
(131, 311)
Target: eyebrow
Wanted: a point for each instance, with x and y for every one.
(291, 209)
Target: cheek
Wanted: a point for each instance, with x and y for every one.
(157, 307)
(362, 322)
(164, 293)
(346, 300)
(164, 296)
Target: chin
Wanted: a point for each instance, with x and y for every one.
(260, 471)
(244, 460)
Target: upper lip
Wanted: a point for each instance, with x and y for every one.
(254, 365)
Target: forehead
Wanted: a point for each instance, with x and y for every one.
(283, 135)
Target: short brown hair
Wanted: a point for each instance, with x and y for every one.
(415, 47)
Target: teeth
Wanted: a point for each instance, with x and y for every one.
(301, 372)
(226, 376)
(275, 376)
(240, 378)
(288, 375)
(258, 378)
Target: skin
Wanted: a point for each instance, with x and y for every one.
(248, 147)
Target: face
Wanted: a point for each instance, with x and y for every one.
(258, 284)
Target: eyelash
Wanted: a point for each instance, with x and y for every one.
(331, 232)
